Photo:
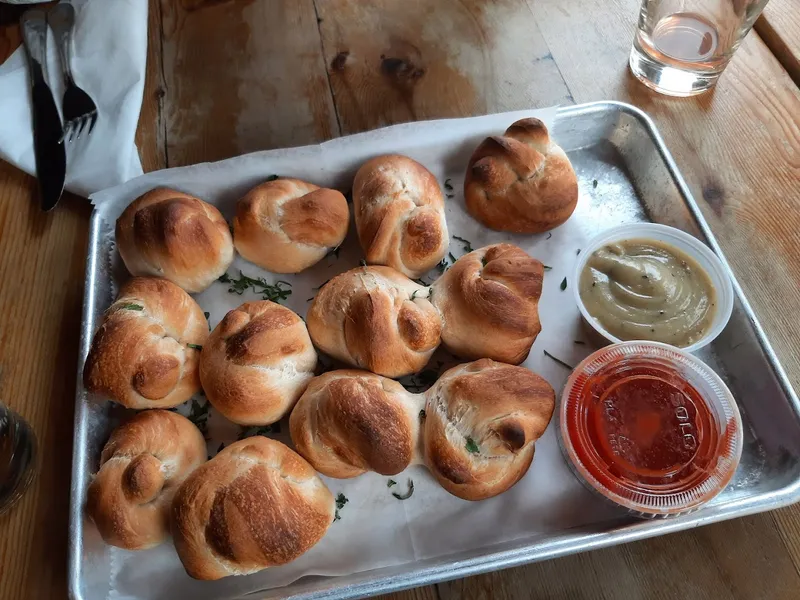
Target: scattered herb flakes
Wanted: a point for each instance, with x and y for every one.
(194, 346)
(341, 500)
(271, 178)
(558, 360)
(422, 415)
(207, 315)
(221, 447)
(419, 282)
(407, 495)
(199, 416)
(322, 285)
(594, 183)
(471, 446)
(390, 483)
(548, 268)
(130, 306)
(549, 235)
(309, 299)
(484, 260)
(275, 292)
(333, 252)
(422, 381)
(578, 252)
(362, 262)
(447, 185)
(414, 294)
(465, 243)
(452, 258)
(580, 342)
(265, 430)
(450, 195)
(564, 284)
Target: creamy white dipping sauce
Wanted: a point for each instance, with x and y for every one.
(643, 289)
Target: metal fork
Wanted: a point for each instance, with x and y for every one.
(79, 108)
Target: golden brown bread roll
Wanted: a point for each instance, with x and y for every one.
(145, 353)
(348, 422)
(376, 319)
(141, 467)
(256, 504)
(489, 302)
(169, 234)
(287, 225)
(521, 181)
(257, 362)
(476, 434)
(399, 210)
(482, 420)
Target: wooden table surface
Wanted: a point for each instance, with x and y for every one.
(779, 26)
(227, 77)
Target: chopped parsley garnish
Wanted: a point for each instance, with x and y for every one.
(559, 361)
(274, 292)
(271, 178)
(547, 268)
(130, 306)
(422, 415)
(447, 185)
(199, 416)
(465, 243)
(341, 500)
(221, 447)
(422, 381)
(594, 183)
(407, 495)
(249, 431)
(564, 284)
(362, 262)
(452, 258)
(207, 315)
(194, 346)
(579, 342)
(390, 483)
(471, 446)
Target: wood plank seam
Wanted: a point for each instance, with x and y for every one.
(779, 48)
(550, 53)
(161, 125)
(327, 70)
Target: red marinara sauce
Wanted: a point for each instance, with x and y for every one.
(650, 427)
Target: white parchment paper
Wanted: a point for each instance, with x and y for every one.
(376, 529)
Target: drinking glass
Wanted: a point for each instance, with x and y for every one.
(682, 46)
(17, 457)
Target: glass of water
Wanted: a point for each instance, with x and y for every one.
(682, 46)
(17, 457)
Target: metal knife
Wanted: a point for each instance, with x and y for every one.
(51, 157)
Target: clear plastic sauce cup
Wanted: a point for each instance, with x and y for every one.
(650, 427)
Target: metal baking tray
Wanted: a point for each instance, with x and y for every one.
(619, 145)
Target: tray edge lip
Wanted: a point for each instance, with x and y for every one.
(77, 473)
(784, 496)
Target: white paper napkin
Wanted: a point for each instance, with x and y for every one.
(108, 62)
